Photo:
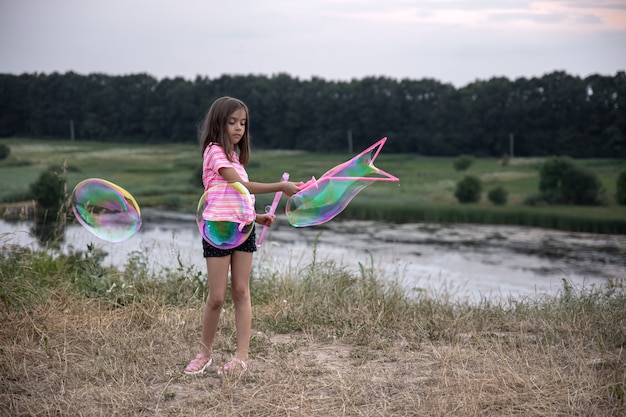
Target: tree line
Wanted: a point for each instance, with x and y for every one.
(555, 114)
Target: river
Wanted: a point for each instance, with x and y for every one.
(455, 261)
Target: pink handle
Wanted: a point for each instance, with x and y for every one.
(309, 183)
(272, 210)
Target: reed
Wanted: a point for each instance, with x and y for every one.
(595, 220)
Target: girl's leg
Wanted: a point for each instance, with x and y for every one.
(241, 267)
(217, 270)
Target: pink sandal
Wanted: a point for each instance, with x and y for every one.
(198, 365)
(233, 365)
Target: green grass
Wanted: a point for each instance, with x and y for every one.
(156, 173)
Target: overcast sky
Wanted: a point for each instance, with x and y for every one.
(453, 41)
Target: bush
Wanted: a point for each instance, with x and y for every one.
(463, 162)
(5, 151)
(469, 189)
(498, 196)
(551, 175)
(620, 196)
(582, 186)
(49, 190)
(561, 181)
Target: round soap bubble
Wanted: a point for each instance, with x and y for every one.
(225, 215)
(107, 210)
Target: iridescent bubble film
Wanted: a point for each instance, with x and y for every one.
(321, 200)
(106, 210)
(225, 215)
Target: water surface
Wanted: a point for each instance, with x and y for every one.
(456, 260)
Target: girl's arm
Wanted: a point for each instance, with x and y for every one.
(287, 187)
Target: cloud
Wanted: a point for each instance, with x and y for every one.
(539, 18)
(451, 40)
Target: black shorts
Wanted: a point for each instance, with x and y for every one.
(210, 251)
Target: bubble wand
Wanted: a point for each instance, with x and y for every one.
(272, 209)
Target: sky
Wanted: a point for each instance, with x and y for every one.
(452, 41)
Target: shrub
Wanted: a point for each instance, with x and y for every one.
(498, 196)
(49, 190)
(582, 186)
(551, 174)
(620, 196)
(463, 162)
(5, 151)
(561, 181)
(469, 189)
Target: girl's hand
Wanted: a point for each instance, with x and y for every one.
(265, 219)
(289, 188)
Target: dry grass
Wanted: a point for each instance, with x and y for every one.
(65, 354)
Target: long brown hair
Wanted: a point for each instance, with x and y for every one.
(213, 128)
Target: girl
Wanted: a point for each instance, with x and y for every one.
(226, 151)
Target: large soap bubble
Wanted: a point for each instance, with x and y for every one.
(106, 210)
(319, 201)
(225, 215)
(322, 202)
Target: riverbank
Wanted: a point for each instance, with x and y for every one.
(19, 210)
(459, 261)
(82, 339)
(167, 176)
(569, 219)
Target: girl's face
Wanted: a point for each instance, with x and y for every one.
(236, 125)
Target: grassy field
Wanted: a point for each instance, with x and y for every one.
(163, 175)
(80, 339)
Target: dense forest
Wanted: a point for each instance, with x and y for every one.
(556, 114)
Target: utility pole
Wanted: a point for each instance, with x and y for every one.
(511, 144)
(72, 129)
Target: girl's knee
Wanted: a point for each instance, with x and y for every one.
(215, 303)
(240, 293)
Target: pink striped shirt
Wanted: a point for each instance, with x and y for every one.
(225, 202)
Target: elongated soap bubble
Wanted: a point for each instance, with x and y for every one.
(323, 202)
(225, 215)
(319, 201)
(106, 210)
